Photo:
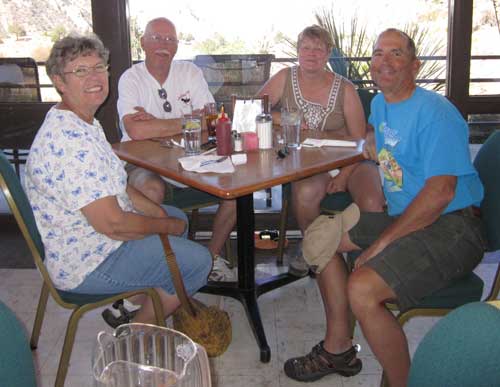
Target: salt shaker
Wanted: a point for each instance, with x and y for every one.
(237, 141)
(264, 125)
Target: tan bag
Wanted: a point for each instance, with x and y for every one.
(207, 325)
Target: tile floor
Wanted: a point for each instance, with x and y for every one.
(292, 317)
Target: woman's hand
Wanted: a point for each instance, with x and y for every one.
(176, 226)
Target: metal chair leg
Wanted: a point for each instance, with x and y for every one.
(193, 225)
(67, 348)
(40, 313)
(233, 261)
(158, 307)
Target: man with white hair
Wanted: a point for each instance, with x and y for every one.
(153, 96)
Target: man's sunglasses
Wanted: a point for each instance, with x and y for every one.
(166, 105)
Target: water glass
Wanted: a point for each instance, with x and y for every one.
(291, 118)
(191, 130)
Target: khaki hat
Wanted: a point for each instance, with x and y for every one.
(322, 237)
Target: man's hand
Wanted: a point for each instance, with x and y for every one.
(141, 115)
(337, 184)
(368, 254)
(369, 147)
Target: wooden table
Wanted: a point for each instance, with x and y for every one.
(262, 170)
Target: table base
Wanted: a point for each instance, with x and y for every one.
(247, 289)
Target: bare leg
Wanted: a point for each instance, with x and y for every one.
(332, 282)
(367, 293)
(306, 197)
(224, 221)
(365, 187)
(147, 315)
(147, 182)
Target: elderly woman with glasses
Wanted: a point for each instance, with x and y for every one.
(328, 102)
(99, 233)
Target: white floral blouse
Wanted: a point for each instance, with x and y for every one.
(70, 165)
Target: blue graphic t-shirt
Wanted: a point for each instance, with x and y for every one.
(418, 138)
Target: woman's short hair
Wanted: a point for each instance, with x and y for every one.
(72, 46)
(316, 32)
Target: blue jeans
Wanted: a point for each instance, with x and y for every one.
(140, 264)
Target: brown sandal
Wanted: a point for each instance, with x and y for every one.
(319, 363)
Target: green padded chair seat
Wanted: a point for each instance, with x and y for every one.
(463, 291)
(190, 198)
(461, 350)
(336, 202)
(83, 299)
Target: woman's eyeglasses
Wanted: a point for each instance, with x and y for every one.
(167, 107)
(84, 71)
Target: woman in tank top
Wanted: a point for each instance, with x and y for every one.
(329, 102)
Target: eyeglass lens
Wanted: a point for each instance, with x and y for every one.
(167, 107)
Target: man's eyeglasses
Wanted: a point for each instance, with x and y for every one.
(84, 71)
(163, 95)
(163, 39)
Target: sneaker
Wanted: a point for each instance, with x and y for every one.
(221, 271)
(319, 363)
(297, 266)
(121, 312)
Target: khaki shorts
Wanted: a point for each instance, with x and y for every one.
(426, 260)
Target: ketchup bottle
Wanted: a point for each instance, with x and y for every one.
(223, 134)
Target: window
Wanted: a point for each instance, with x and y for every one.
(30, 33)
(485, 48)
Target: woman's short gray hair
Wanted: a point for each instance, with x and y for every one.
(316, 32)
(72, 46)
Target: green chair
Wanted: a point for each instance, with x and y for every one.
(16, 361)
(331, 203)
(78, 303)
(470, 288)
(461, 350)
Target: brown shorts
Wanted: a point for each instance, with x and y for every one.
(426, 260)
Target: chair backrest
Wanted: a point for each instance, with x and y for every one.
(487, 163)
(19, 80)
(461, 350)
(366, 96)
(16, 361)
(241, 75)
(20, 206)
(338, 63)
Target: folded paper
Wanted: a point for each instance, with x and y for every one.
(207, 163)
(317, 142)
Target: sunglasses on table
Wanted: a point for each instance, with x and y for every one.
(167, 107)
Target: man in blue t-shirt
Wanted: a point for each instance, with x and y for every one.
(429, 237)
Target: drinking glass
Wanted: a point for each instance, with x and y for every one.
(210, 111)
(191, 130)
(291, 118)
